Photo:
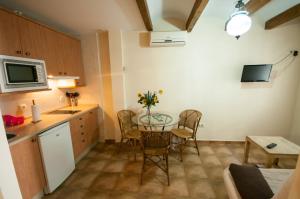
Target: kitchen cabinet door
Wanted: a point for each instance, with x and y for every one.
(78, 63)
(28, 166)
(9, 35)
(31, 38)
(72, 59)
(93, 133)
(52, 52)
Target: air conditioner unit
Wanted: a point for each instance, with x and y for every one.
(177, 38)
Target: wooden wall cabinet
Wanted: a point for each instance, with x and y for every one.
(19, 37)
(31, 38)
(84, 131)
(9, 35)
(25, 38)
(28, 166)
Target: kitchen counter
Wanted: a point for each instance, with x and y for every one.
(48, 121)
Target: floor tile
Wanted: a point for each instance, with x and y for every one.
(210, 161)
(105, 181)
(107, 172)
(128, 183)
(83, 180)
(195, 172)
(114, 166)
(201, 189)
(178, 187)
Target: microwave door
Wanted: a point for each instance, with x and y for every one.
(20, 73)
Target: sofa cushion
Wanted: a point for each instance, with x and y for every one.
(250, 182)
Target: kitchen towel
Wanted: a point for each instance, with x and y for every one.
(36, 114)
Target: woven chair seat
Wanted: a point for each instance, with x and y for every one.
(182, 133)
(133, 134)
(155, 151)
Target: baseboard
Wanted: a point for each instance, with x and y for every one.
(85, 152)
(110, 141)
(220, 142)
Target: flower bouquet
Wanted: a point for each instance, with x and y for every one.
(149, 99)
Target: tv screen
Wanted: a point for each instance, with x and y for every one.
(256, 73)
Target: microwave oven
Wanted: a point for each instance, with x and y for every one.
(22, 74)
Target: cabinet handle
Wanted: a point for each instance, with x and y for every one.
(81, 126)
(80, 118)
(59, 73)
(65, 73)
(19, 52)
(82, 133)
(83, 140)
(27, 53)
(33, 140)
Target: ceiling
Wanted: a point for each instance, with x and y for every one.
(83, 16)
(169, 14)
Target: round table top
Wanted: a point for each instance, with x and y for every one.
(155, 120)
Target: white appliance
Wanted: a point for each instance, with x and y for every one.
(57, 155)
(177, 38)
(21, 74)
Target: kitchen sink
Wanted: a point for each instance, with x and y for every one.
(64, 112)
(10, 135)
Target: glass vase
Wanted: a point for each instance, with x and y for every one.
(148, 111)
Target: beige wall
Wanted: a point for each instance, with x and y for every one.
(117, 75)
(48, 100)
(295, 130)
(205, 74)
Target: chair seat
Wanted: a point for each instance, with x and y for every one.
(182, 133)
(133, 134)
(156, 151)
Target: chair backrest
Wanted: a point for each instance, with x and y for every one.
(190, 119)
(125, 121)
(155, 139)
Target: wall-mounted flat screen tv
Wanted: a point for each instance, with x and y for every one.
(256, 73)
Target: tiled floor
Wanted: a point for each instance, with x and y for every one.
(107, 173)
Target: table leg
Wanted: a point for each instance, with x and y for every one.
(246, 152)
(270, 162)
(276, 161)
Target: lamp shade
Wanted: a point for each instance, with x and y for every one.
(238, 24)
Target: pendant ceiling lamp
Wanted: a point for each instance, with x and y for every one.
(239, 22)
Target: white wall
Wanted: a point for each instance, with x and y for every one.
(295, 130)
(205, 75)
(9, 187)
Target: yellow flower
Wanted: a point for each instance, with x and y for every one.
(139, 94)
(160, 91)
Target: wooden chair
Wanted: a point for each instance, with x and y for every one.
(129, 130)
(187, 128)
(156, 144)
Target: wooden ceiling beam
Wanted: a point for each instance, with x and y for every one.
(254, 5)
(195, 14)
(283, 17)
(144, 10)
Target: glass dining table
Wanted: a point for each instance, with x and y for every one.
(156, 120)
